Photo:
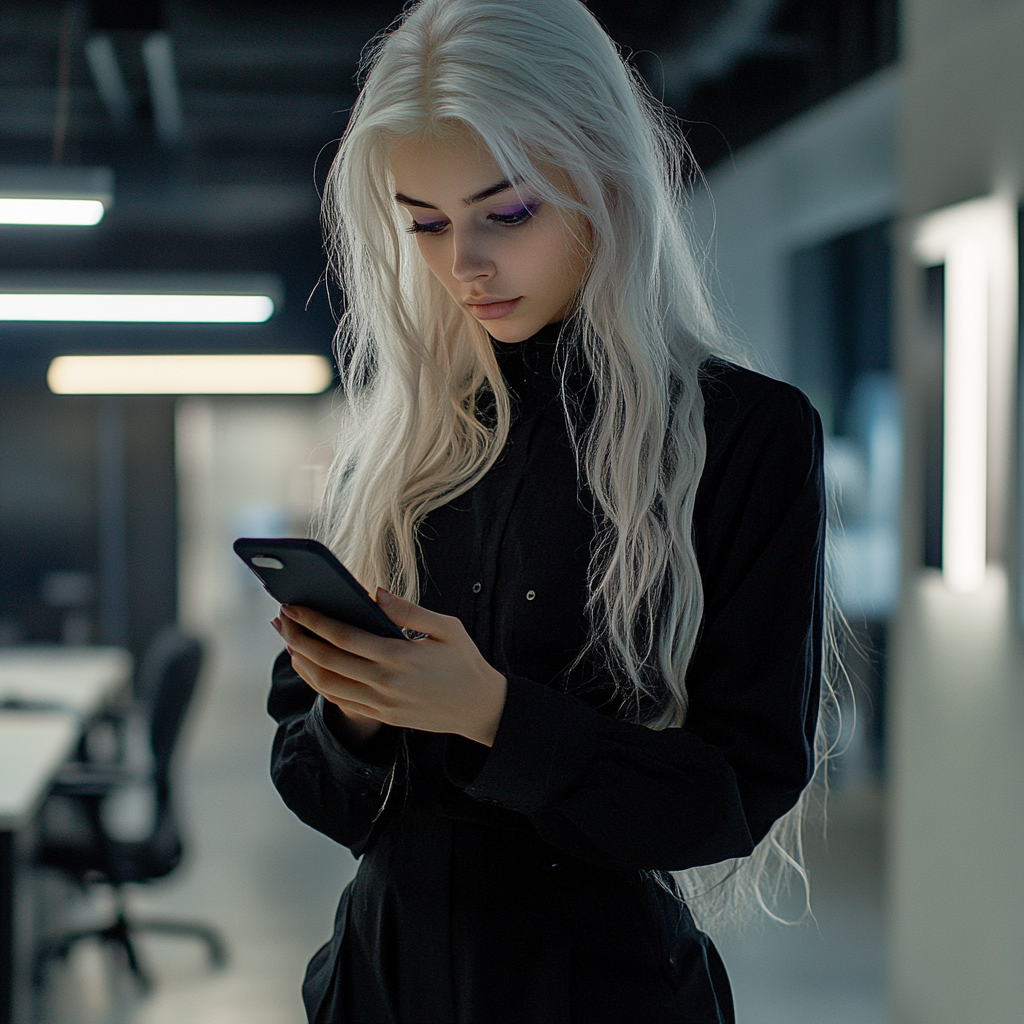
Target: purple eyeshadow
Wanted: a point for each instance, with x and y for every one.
(516, 210)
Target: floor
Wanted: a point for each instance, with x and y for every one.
(831, 970)
(270, 885)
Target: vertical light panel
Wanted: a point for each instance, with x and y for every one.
(965, 415)
(976, 243)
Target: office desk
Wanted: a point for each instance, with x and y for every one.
(59, 688)
(76, 678)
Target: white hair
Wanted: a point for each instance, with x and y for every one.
(542, 86)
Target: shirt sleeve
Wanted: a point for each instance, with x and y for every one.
(326, 784)
(625, 796)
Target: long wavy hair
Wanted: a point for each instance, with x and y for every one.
(426, 410)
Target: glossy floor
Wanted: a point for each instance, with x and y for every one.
(270, 885)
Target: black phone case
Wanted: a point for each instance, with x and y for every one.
(310, 576)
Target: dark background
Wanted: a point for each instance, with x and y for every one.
(87, 484)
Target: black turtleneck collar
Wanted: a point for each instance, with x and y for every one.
(529, 366)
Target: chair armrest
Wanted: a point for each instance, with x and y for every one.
(84, 779)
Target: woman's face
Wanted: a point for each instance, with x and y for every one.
(510, 260)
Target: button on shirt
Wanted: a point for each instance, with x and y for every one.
(486, 571)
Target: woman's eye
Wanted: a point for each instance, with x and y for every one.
(430, 227)
(513, 215)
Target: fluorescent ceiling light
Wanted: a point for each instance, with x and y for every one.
(165, 309)
(189, 375)
(143, 297)
(55, 195)
(83, 212)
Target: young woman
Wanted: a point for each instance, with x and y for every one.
(609, 538)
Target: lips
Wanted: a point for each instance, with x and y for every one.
(492, 310)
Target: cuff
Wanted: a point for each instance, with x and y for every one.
(545, 740)
(373, 760)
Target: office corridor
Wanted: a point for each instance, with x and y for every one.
(270, 885)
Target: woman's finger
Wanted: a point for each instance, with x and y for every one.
(339, 634)
(421, 620)
(326, 655)
(349, 694)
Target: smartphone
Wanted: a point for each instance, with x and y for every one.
(304, 572)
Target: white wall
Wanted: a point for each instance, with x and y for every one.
(246, 466)
(956, 821)
(829, 171)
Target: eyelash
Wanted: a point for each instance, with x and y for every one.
(433, 228)
(510, 220)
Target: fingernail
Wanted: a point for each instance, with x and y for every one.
(289, 649)
(276, 623)
(286, 609)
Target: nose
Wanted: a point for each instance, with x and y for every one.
(470, 260)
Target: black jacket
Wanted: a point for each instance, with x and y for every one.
(518, 883)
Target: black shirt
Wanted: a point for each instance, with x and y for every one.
(517, 883)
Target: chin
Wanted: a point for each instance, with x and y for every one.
(511, 332)
(508, 336)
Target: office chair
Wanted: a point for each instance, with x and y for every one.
(76, 839)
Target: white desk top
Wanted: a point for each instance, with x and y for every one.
(34, 744)
(32, 748)
(77, 678)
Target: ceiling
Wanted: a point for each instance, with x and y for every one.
(225, 124)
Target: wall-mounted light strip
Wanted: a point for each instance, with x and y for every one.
(74, 196)
(164, 309)
(189, 375)
(976, 241)
(965, 414)
(140, 297)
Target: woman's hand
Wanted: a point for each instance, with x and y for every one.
(438, 684)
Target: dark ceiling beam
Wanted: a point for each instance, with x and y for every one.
(241, 117)
(743, 29)
(254, 58)
(277, 117)
(127, 15)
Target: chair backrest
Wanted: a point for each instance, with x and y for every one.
(164, 689)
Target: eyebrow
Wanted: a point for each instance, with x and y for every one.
(477, 197)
